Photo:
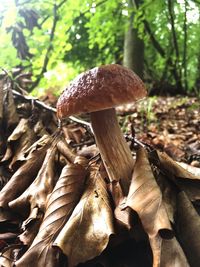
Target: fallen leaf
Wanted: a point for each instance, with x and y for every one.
(1, 99)
(65, 150)
(122, 216)
(185, 180)
(87, 232)
(89, 151)
(5, 175)
(10, 113)
(74, 133)
(169, 192)
(9, 255)
(2, 137)
(145, 198)
(18, 142)
(37, 193)
(60, 205)
(187, 226)
(171, 165)
(193, 170)
(25, 175)
(6, 259)
(167, 252)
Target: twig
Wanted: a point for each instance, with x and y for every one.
(44, 106)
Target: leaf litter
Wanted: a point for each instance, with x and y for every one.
(57, 207)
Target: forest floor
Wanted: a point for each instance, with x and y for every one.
(171, 124)
(32, 156)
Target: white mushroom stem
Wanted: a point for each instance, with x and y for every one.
(113, 148)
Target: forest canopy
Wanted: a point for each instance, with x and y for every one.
(56, 40)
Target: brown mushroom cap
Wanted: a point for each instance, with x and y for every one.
(100, 88)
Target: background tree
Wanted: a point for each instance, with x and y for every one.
(133, 57)
(57, 40)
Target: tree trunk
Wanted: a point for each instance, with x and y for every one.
(133, 47)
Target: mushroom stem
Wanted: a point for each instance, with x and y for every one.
(113, 148)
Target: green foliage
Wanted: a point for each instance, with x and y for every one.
(55, 40)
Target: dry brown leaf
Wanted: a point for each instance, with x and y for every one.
(167, 252)
(193, 170)
(89, 151)
(9, 255)
(74, 133)
(1, 99)
(37, 193)
(186, 181)
(39, 144)
(30, 227)
(145, 197)
(19, 141)
(65, 150)
(170, 165)
(1, 120)
(122, 215)
(61, 203)
(4, 176)
(24, 176)
(6, 258)
(169, 192)
(39, 129)
(10, 108)
(87, 232)
(188, 228)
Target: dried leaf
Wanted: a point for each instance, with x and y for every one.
(1, 116)
(59, 208)
(74, 133)
(122, 216)
(6, 258)
(89, 151)
(87, 232)
(10, 108)
(7, 235)
(188, 228)
(169, 193)
(186, 181)
(145, 198)
(36, 194)
(1, 99)
(9, 255)
(65, 150)
(4, 176)
(170, 165)
(30, 227)
(193, 170)
(24, 176)
(39, 129)
(18, 142)
(167, 252)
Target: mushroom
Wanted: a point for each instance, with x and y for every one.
(98, 91)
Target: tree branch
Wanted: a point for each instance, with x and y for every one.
(171, 17)
(153, 39)
(184, 65)
(177, 69)
(42, 105)
(50, 47)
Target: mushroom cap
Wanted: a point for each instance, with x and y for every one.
(100, 88)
